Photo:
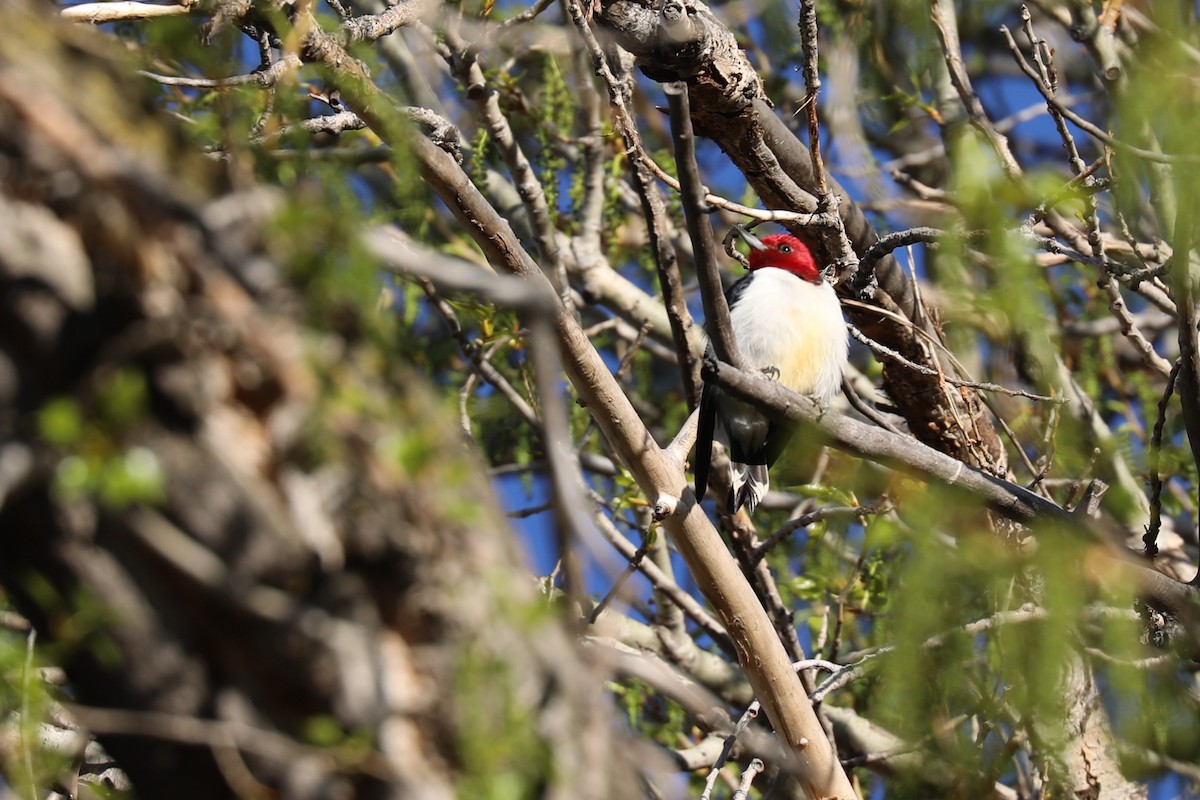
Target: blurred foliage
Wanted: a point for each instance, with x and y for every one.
(98, 457)
(648, 711)
(897, 585)
(25, 701)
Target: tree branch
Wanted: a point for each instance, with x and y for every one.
(759, 650)
(728, 107)
(704, 248)
(1013, 501)
(98, 13)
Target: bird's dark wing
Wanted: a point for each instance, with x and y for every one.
(777, 439)
(706, 425)
(734, 293)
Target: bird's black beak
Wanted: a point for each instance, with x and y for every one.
(750, 238)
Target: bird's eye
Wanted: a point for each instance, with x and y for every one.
(785, 248)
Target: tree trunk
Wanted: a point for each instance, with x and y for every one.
(269, 566)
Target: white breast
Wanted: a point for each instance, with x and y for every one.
(785, 322)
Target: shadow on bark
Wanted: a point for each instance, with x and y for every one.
(260, 549)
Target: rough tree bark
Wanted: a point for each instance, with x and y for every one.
(308, 562)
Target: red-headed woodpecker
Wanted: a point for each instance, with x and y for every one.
(786, 320)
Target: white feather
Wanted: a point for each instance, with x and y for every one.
(795, 326)
(785, 322)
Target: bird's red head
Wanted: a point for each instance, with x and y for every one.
(784, 251)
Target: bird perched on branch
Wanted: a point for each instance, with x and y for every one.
(786, 321)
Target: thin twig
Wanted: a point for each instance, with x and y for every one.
(576, 526)
(653, 208)
(528, 185)
(812, 85)
(630, 568)
(1050, 441)
(1188, 376)
(865, 275)
(881, 349)
(1083, 124)
(478, 357)
(1150, 538)
(266, 77)
(27, 723)
(1045, 79)
(725, 204)
(944, 18)
(661, 582)
(804, 520)
(620, 373)
(747, 716)
(590, 210)
(753, 769)
(845, 674)
(14, 622)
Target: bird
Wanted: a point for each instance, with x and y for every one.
(787, 322)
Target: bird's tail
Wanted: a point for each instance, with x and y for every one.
(748, 484)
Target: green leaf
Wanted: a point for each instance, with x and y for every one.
(121, 399)
(60, 422)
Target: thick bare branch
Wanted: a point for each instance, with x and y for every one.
(704, 248)
(661, 478)
(1012, 500)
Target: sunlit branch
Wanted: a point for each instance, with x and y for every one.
(370, 27)
(660, 478)
(907, 455)
(124, 10)
(487, 100)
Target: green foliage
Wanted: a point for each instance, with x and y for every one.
(479, 150)
(906, 581)
(557, 108)
(625, 493)
(647, 710)
(504, 756)
(99, 460)
(25, 701)
(976, 626)
(326, 732)
(60, 422)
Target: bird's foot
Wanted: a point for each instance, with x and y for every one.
(771, 372)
